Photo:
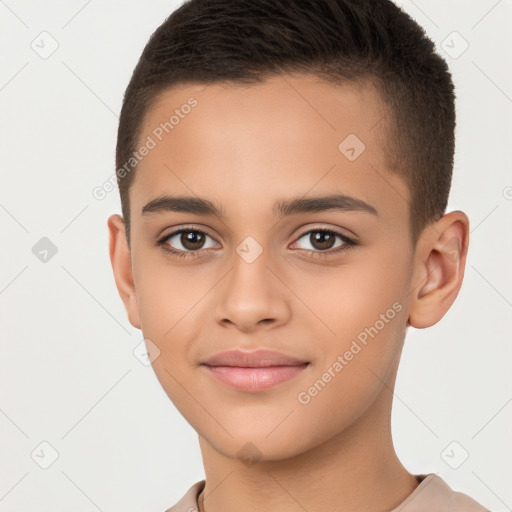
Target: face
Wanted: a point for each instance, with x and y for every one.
(256, 259)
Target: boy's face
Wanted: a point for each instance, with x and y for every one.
(245, 149)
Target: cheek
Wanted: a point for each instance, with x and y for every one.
(363, 315)
(342, 302)
(171, 305)
(169, 298)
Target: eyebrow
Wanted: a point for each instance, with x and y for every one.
(200, 206)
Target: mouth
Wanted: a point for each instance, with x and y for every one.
(253, 372)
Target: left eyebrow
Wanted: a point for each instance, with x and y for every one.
(201, 206)
(338, 202)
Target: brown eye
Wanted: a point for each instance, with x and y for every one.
(325, 241)
(186, 242)
(322, 240)
(192, 240)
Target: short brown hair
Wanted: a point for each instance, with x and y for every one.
(246, 41)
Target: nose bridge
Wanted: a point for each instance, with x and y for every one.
(252, 295)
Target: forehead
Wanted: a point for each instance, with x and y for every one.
(246, 146)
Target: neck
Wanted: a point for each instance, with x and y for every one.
(355, 470)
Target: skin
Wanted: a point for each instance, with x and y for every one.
(243, 148)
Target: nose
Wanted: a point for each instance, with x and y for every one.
(253, 297)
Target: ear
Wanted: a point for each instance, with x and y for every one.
(440, 261)
(120, 258)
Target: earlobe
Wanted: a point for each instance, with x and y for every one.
(439, 269)
(120, 259)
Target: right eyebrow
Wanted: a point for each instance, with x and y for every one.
(186, 204)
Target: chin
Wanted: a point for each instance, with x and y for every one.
(257, 446)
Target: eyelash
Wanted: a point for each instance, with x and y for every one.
(349, 243)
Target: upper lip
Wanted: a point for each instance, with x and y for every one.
(254, 359)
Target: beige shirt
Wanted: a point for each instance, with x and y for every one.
(432, 495)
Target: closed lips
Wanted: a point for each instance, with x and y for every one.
(253, 372)
(254, 359)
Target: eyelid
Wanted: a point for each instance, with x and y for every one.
(172, 230)
(343, 232)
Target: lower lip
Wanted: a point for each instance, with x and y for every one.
(254, 380)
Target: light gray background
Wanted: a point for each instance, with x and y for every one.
(68, 373)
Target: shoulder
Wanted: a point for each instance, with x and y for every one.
(434, 493)
(189, 501)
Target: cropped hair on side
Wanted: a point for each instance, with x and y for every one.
(340, 41)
